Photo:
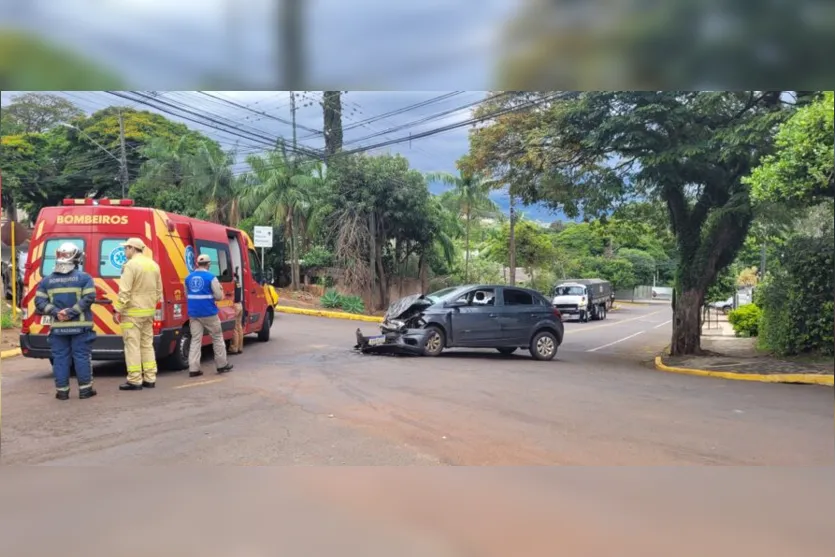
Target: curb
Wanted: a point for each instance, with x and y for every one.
(329, 314)
(10, 353)
(804, 378)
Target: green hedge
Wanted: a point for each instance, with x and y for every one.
(746, 320)
(797, 299)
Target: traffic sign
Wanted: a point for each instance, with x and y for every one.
(263, 236)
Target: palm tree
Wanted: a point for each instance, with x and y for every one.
(471, 197)
(212, 179)
(281, 190)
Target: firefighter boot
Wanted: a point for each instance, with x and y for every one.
(87, 392)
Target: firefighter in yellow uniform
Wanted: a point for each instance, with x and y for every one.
(140, 290)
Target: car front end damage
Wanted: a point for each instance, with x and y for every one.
(402, 332)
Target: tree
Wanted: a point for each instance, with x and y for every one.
(801, 171)
(534, 249)
(381, 208)
(276, 190)
(38, 112)
(471, 197)
(690, 150)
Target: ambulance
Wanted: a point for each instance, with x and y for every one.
(99, 227)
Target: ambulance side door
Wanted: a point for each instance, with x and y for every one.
(211, 240)
(254, 293)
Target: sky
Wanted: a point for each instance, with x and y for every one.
(260, 111)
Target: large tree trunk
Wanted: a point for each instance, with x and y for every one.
(372, 257)
(381, 274)
(687, 323)
(423, 271)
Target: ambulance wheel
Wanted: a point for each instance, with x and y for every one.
(264, 333)
(178, 360)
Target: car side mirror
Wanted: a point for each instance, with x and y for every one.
(269, 275)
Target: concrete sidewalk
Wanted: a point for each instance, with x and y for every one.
(730, 357)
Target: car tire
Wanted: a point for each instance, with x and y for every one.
(178, 360)
(506, 350)
(264, 333)
(435, 342)
(544, 346)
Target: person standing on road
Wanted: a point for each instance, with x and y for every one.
(237, 344)
(140, 291)
(203, 292)
(66, 296)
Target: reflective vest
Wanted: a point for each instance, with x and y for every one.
(201, 300)
(74, 292)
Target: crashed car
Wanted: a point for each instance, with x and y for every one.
(402, 331)
(476, 316)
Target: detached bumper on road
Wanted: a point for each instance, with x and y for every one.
(409, 343)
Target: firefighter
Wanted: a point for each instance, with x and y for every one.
(140, 290)
(203, 292)
(67, 295)
(237, 344)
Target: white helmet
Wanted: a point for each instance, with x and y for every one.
(67, 258)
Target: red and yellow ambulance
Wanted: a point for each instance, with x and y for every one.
(99, 227)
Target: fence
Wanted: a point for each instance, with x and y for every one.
(645, 293)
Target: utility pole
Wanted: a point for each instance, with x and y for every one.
(291, 42)
(123, 161)
(293, 110)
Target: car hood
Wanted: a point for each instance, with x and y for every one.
(404, 305)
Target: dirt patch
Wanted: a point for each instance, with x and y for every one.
(9, 339)
(306, 300)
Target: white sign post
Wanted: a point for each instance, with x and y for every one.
(263, 238)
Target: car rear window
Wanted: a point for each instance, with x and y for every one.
(517, 298)
(52, 245)
(111, 257)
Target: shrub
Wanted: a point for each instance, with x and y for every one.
(797, 299)
(6, 320)
(746, 320)
(353, 304)
(331, 300)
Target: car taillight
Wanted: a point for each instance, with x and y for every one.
(557, 313)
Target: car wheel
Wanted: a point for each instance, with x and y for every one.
(434, 344)
(264, 333)
(544, 346)
(178, 360)
(506, 350)
(726, 310)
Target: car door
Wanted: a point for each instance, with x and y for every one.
(477, 322)
(519, 313)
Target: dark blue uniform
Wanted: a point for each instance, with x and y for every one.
(71, 340)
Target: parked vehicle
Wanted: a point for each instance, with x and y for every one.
(476, 316)
(7, 279)
(587, 299)
(98, 228)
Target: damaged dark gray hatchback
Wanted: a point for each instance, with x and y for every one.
(476, 316)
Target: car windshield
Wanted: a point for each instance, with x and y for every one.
(442, 294)
(569, 291)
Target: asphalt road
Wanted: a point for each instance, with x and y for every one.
(305, 398)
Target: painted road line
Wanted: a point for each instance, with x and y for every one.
(612, 324)
(664, 323)
(616, 342)
(200, 383)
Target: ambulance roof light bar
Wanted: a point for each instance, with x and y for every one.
(104, 201)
